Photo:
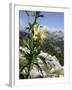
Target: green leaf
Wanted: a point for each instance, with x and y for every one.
(39, 68)
(23, 67)
(26, 43)
(40, 15)
(45, 64)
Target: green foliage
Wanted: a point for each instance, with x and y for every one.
(28, 60)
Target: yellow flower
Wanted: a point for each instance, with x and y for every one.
(43, 33)
(35, 37)
(36, 31)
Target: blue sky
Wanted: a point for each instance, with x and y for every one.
(52, 20)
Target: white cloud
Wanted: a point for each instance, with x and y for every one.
(55, 29)
(52, 29)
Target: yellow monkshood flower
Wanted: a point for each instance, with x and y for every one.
(35, 37)
(43, 33)
(36, 31)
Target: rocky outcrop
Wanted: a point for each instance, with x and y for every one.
(54, 70)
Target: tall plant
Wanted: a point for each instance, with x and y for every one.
(33, 44)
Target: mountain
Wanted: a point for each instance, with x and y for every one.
(54, 45)
(55, 40)
(56, 35)
(24, 34)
